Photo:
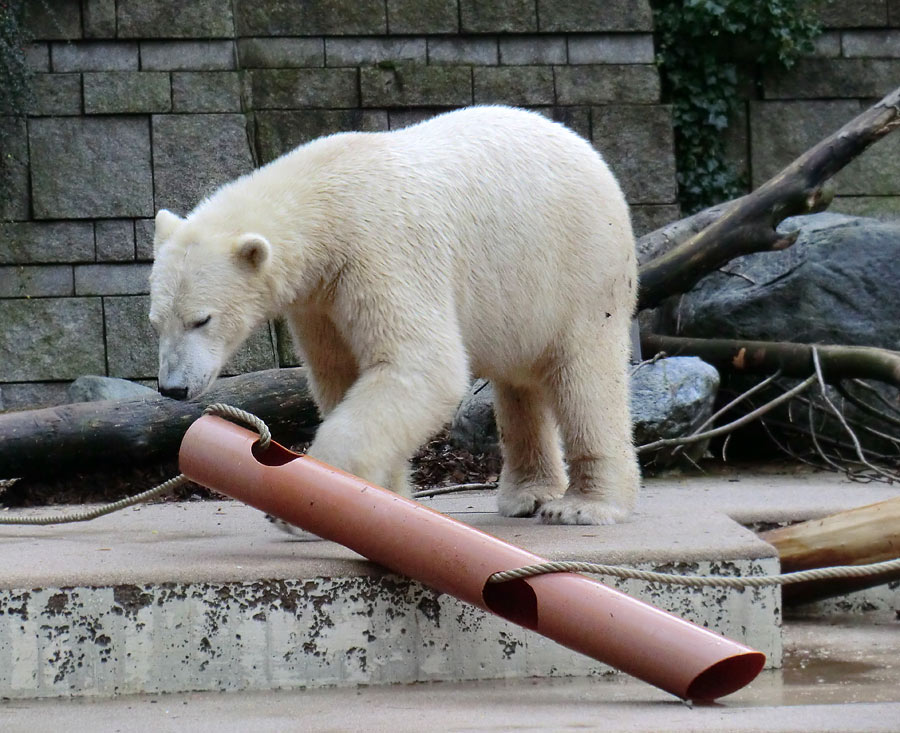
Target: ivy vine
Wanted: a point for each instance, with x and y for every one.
(707, 50)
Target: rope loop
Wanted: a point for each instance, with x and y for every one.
(236, 414)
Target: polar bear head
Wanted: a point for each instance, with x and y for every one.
(208, 291)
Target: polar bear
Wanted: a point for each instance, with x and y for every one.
(486, 241)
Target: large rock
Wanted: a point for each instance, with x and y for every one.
(836, 285)
(669, 398)
(474, 427)
(92, 388)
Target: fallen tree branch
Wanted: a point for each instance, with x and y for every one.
(748, 223)
(794, 360)
(661, 240)
(731, 405)
(92, 435)
(894, 440)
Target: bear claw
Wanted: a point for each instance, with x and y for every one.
(578, 510)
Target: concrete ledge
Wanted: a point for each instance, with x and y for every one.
(207, 596)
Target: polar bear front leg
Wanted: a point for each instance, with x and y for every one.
(533, 471)
(389, 411)
(331, 366)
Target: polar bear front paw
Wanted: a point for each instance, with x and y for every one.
(580, 510)
(524, 501)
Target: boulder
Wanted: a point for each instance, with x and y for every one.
(474, 428)
(91, 388)
(669, 397)
(837, 285)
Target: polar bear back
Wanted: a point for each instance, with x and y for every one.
(509, 218)
(537, 225)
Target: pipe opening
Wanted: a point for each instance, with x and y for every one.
(514, 600)
(274, 455)
(727, 676)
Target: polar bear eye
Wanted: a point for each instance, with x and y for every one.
(201, 323)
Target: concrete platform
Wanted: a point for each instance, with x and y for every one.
(207, 596)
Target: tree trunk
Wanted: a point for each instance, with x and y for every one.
(91, 435)
(748, 223)
(794, 360)
(860, 536)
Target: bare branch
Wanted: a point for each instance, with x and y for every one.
(843, 421)
(734, 403)
(454, 489)
(855, 423)
(866, 407)
(880, 397)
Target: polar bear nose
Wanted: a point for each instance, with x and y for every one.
(176, 393)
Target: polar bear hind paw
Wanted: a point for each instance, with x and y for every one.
(581, 510)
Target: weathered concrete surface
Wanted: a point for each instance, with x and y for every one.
(837, 677)
(179, 597)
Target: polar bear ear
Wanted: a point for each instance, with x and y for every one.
(253, 250)
(166, 224)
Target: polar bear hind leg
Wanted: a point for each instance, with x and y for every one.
(593, 411)
(533, 471)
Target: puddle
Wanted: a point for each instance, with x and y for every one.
(831, 661)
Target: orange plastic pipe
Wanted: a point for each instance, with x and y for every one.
(454, 558)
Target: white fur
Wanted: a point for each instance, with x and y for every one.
(487, 241)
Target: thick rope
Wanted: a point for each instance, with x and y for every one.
(88, 514)
(618, 571)
(222, 410)
(699, 581)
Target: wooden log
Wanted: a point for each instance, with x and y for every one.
(89, 436)
(793, 359)
(859, 536)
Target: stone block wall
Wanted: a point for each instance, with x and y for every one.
(144, 104)
(856, 62)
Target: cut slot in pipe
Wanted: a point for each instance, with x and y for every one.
(455, 558)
